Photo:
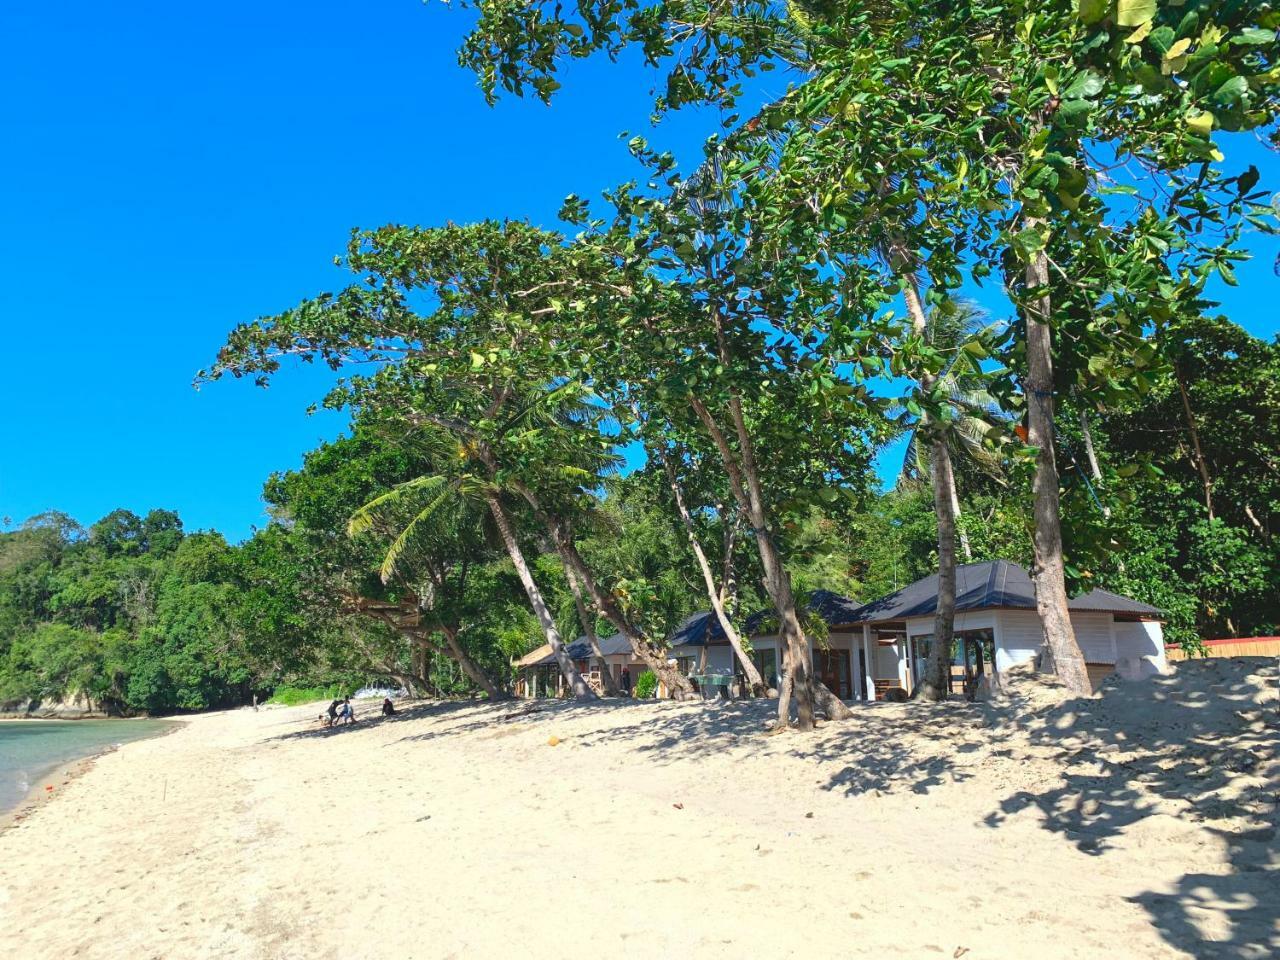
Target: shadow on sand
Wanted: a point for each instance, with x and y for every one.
(1200, 745)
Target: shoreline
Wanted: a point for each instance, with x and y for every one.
(64, 773)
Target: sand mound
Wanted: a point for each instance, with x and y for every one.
(1023, 690)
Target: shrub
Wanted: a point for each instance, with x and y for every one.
(295, 696)
(646, 685)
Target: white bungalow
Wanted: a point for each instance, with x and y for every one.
(699, 645)
(996, 622)
(874, 649)
(538, 674)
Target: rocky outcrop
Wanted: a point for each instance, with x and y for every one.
(68, 708)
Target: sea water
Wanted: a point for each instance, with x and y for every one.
(32, 749)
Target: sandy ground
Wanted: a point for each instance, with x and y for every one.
(1138, 824)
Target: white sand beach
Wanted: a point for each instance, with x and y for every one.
(1141, 824)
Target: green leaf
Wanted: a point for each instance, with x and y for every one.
(1201, 121)
(1091, 11)
(1254, 37)
(1073, 111)
(1134, 13)
(1231, 91)
(1085, 84)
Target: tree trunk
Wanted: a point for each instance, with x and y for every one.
(955, 513)
(936, 683)
(472, 669)
(589, 631)
(744, 480)
(678, 685)
(1090, 452)
(1061, 651)
(945, 506)
(581, 690)
(749, 669)
(1201, 465)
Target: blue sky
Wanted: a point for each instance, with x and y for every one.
(173, 169)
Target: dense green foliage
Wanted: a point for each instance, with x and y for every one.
(139, 615)
(131, 613)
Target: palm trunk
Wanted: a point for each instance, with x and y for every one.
(749, 670)
(1061, 651)
(472, 669)
(955, 513)
(936, 676)
(573, 679)
(936, 684)
(589, 631)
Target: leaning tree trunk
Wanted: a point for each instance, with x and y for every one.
(581, 690)
(652, 656)
(475, 673)
(754, 681)
(744, 481)
(797, 666)
(808, 689)
(1061, 651)
(677, 684)
(589, 631)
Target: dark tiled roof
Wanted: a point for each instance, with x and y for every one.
(704, 626)
(984, 586)
(580, 649)
(697, 629)
(1104, 601)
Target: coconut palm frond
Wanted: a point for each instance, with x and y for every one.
(401, 543)
(973, 435)
(365, 518)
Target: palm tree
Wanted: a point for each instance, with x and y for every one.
(974, 428)
(438, 510)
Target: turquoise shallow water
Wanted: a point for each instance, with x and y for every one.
(31, 749)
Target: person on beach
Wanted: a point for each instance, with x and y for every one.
(333, 711)
(388, 708)
(348, 714)
(626, 681)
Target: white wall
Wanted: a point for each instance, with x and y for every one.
(1140, 649)
(1093, 633)
(1018, 637)
(1018, 634)
(720, 659)
(967, 620)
